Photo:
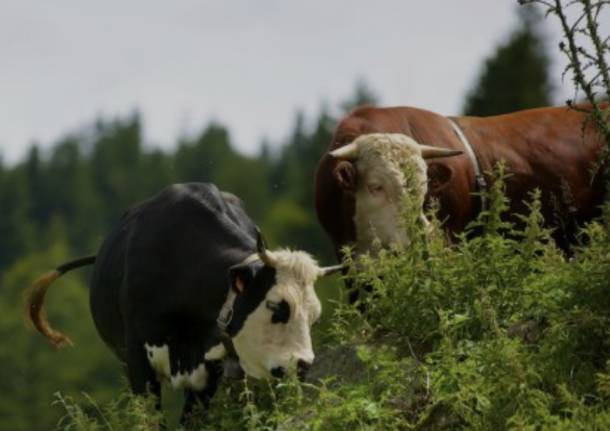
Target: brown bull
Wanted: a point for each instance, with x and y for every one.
(358, 184)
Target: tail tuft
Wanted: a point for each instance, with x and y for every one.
(36, 314)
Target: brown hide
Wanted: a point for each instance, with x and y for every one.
(543, 148)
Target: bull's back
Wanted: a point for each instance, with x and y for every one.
(555, 150)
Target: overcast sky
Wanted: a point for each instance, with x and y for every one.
(247, 63)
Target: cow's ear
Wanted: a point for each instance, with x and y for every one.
(439, 176)
(240, 277)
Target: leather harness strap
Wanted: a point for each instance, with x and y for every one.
(224, 319)
(481, 183)
(226, 314)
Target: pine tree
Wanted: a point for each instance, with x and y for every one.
(517, 75)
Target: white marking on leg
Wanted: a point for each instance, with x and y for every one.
(159, 359)
(195, 379)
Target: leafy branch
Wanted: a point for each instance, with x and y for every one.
(587, 51)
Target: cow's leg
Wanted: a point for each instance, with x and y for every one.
(193, 398)
(142, 378)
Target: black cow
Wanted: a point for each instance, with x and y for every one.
(183, 280)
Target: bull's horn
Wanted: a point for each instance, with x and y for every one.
(429, 152)
(328, 270)
(261, 249)
(349, 151)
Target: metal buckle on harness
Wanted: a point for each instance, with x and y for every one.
(232, 368)
(481, 183)
(223, 321)
(226, 312)
(482, 186)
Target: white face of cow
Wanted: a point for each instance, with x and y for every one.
(381, 161)
(276, 308)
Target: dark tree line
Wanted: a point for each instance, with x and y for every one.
(86, 181)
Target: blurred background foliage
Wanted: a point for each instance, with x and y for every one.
(56, 205)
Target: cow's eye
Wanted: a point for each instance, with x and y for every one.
(280, 311)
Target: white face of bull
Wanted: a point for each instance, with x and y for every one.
(275, 337)
(381, 160)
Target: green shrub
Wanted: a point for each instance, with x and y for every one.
(498, 331)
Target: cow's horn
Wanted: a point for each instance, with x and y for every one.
(261, 249)
(328, 270)
(349, 151)
(429, 152)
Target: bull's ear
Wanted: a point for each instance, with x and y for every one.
(240, 277)
(345, 175)
(439, 176)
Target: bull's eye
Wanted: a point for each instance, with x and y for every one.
(280, 311)
(374, 188)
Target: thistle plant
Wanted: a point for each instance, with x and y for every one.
(587, 50)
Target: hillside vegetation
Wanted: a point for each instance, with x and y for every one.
(501, 331)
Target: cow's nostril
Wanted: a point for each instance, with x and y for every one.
(303, 365)
(278, 372)
(302, 368)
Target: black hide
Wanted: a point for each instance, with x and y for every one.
(162, 275)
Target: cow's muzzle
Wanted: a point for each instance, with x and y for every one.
(302, 369)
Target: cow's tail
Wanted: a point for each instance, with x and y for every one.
(34, 301)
